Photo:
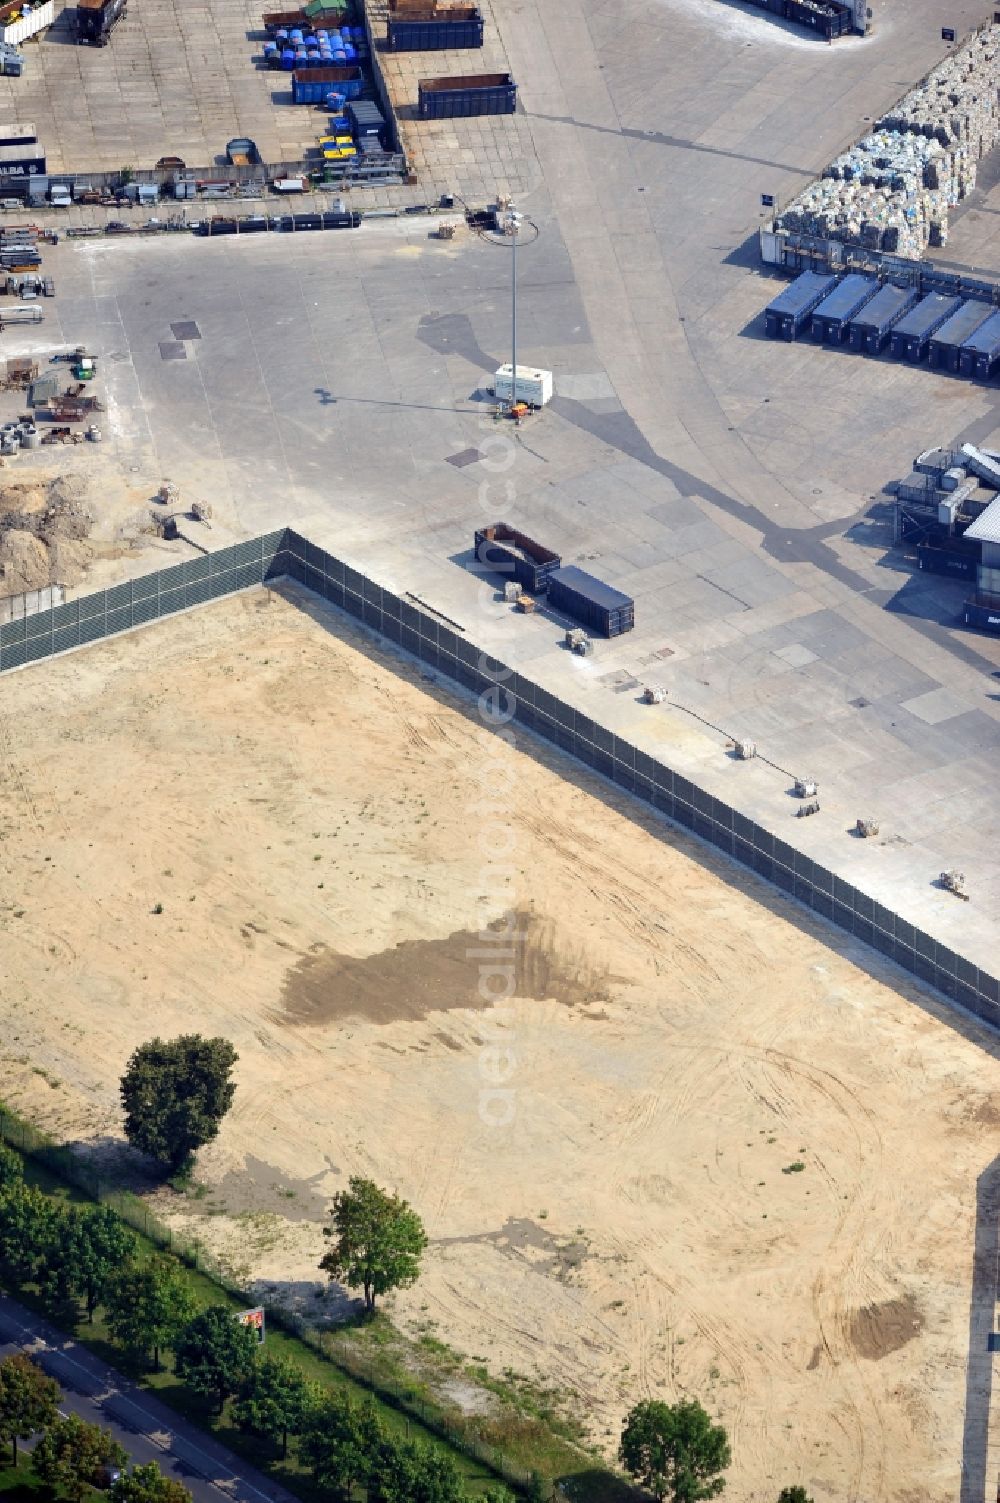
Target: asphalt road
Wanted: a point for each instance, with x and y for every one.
(147, 1429)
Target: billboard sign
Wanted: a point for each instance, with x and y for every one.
(254, 1319)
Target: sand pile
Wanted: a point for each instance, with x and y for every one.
(44, 532)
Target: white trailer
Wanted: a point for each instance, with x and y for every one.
(532, 386)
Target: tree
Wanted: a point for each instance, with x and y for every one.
(148, 1304)
(337, 1442)
(408, 1472)
(28, 1399)
(393, 1472)
(437, 1478)
(175, 1093)
(215, 1353)
(91, 1246)
(11, 1168)
(274, 1400)
(147, 1484)
(379, 1240)
(674, 1450)
(74, 1456)
(794, 1494)
(29, 1222)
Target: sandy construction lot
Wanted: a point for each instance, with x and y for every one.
(319, 826)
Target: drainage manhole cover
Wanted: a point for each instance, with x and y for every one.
(186, 330)
(171, 351)
(119, 356)
(464, 457)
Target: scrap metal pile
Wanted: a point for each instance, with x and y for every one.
(893, 189)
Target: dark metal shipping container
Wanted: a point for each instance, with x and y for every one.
(911, 336)
(366, 120)
(870, 329)
(95, 19)
(590, 601)
(475, 94)
(985, 617)
(312, 85)
(831, 318)
(956, 562)
(459, 26)
(829, 20)
(980, 355)
(513, 554)
(785, 315)
(945, 343)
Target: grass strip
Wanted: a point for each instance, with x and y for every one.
(368, 1361)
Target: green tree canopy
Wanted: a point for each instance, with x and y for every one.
(11, 1168)
(215, 1353)
(28, 1399)
(337, 1439)
(74, 1456)
(794, 1494)
(175, 1093)
(409, 1472)
(91, 1246)
(29, 1225)
(147, 1484)
(378, 1240)
(148, 1304)
(674, 1451)
(274, 1400)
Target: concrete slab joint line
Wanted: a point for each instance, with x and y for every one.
(279, 555)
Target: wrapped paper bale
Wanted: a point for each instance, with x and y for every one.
(893, 189)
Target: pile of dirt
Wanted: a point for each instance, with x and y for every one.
(24, 561)
(878, 1330)
(44, 532)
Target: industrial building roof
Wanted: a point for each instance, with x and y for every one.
(986, 527)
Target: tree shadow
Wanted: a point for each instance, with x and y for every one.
(318, 1303)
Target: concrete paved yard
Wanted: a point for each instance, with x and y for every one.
(175, 80)
(336, 382)
(733, 485)
(474, 158)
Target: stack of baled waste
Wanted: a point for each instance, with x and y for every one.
(893, 189)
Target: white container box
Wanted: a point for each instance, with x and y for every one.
(533, 386)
